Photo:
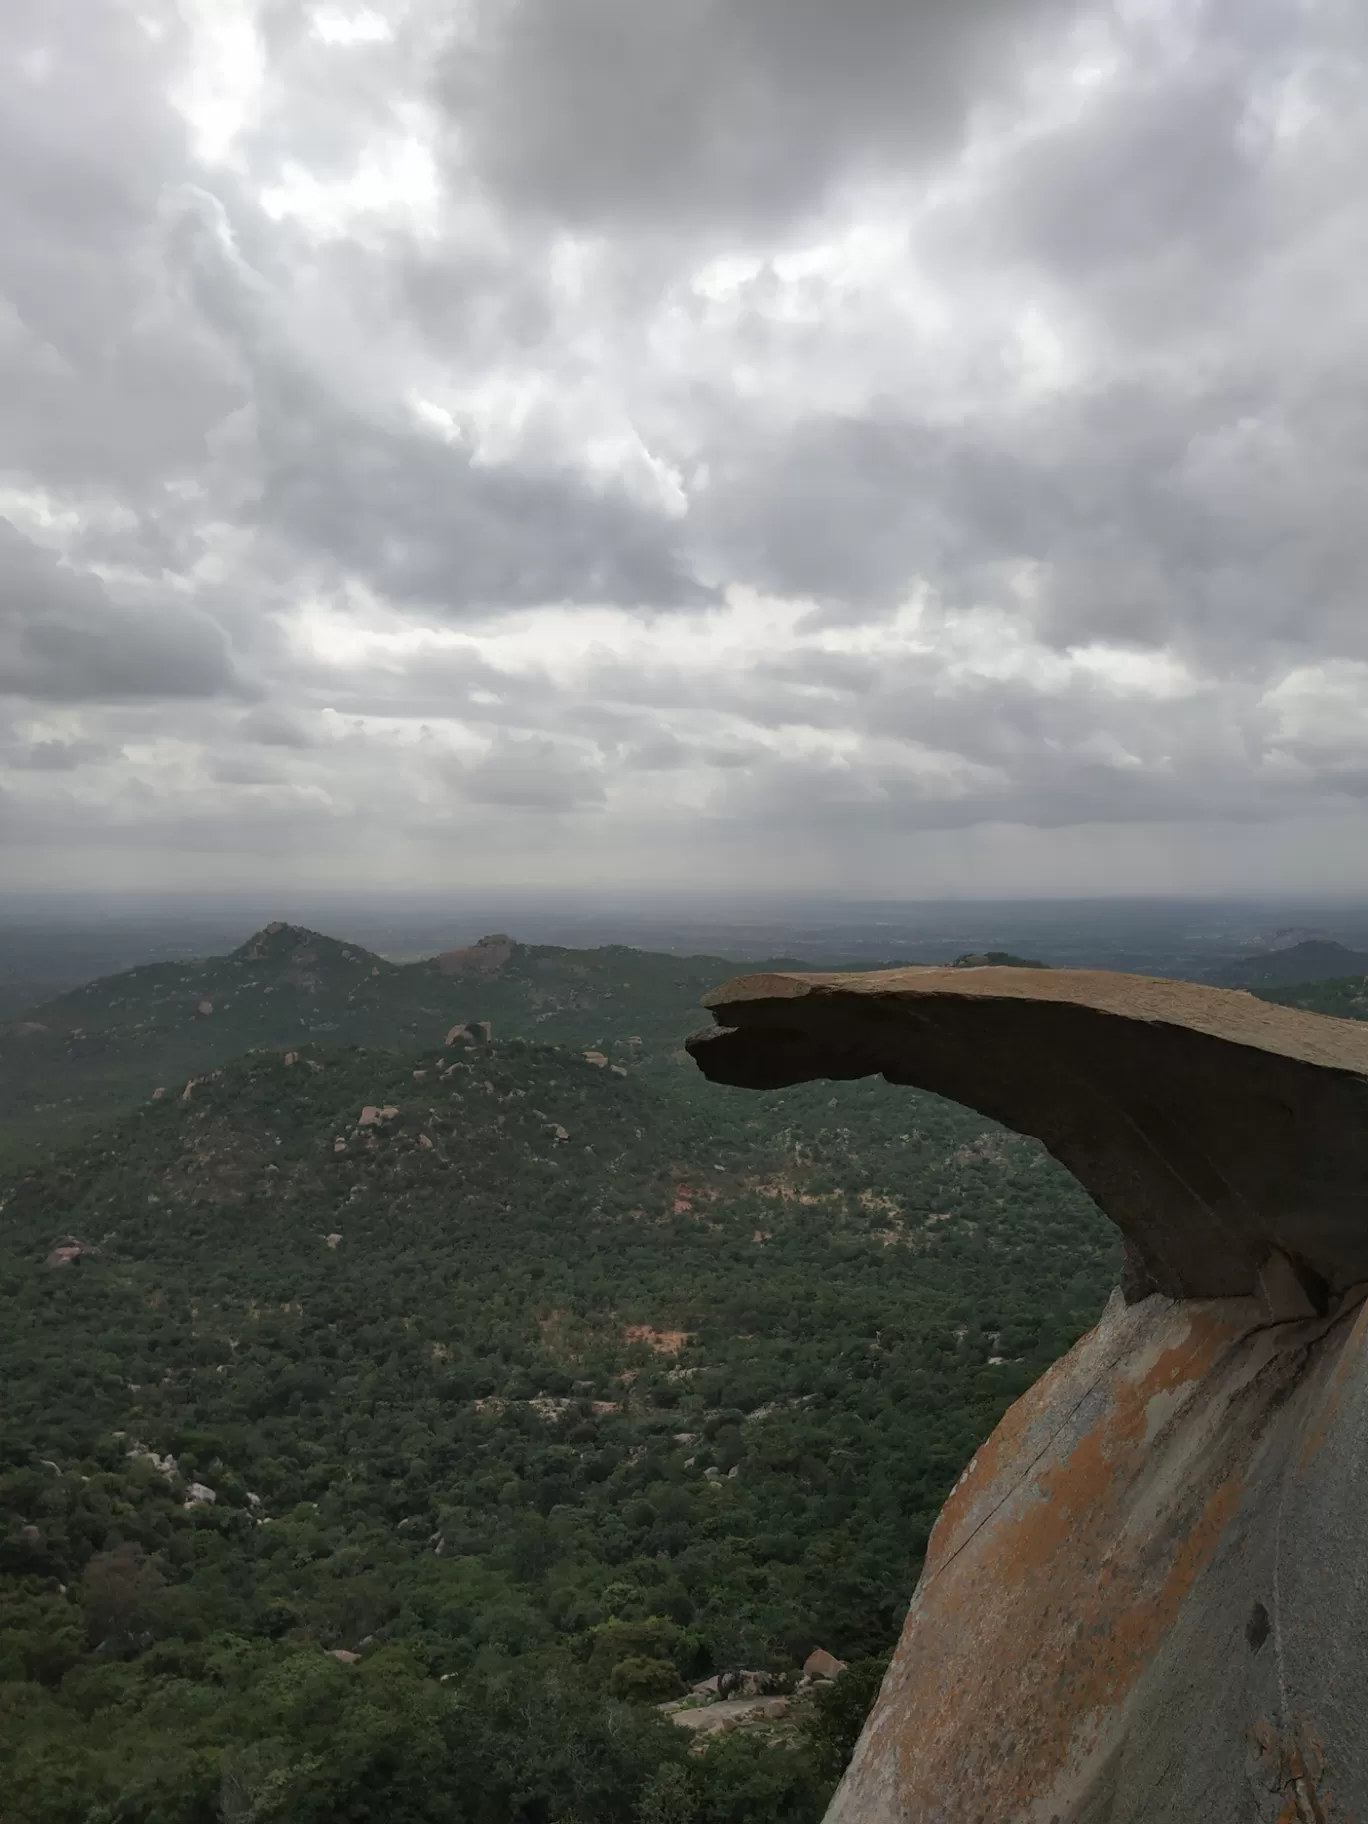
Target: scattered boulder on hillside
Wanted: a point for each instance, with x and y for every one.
(166, 1465)
(343, 1655)
(483, 1031)
(67, 1253)
(821, 1664)
(372, 1116)
(596, 1058)
(743, 1681)
(459, 1035)
(487, 956)
(205, 1007)
(199, 1494)
(333, 1240)
(720, 1718)
(1145, 1599)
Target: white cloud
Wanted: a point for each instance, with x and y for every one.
(905, 447)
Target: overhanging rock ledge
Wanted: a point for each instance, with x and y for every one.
(1211, 1127)
(1146, 1601)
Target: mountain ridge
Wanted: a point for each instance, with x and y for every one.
(1293, 965)
(108, 1044)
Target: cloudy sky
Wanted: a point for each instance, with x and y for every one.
(876, 445)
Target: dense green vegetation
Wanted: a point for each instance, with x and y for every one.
(1344, 999)
(544, 1390)
(400, 1465)
(995, 959)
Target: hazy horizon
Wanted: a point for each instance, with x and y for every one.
(65, 938)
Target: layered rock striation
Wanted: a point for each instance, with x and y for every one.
(1147, 1598)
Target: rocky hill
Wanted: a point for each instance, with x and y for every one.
(1313, 960)
(107, 1045)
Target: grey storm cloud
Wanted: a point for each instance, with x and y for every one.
(784, 428)
(364, 491)
(527, 772)
(64, 638)
(60, 756)
(271, 725)
(108, 380)
(606, 112)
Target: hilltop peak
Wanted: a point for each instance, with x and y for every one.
(1312, 959)
(486, 956)
(280, 939)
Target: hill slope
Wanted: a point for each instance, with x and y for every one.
(1314, 960)
(1345, 998)
(107, 1046)
(504, 1370)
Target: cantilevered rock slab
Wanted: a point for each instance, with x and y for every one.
(1212, 1128)
(1146, 1601)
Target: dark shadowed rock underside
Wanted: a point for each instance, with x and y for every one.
(1146, 1601)
(1211, 1127)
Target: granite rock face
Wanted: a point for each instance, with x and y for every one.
(1147, 1598)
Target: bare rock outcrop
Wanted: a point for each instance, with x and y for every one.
(1147, 1597)
(67, 1253)
(486, 956)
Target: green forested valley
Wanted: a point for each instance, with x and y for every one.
(388, 1434)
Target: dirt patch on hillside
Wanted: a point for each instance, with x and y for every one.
(664, 1342)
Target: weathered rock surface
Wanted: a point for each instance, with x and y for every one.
(486, 956)
(1147, 1598)
(68, 1252)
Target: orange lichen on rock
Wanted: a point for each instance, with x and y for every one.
(1045, 1614)
(1075, 1557)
